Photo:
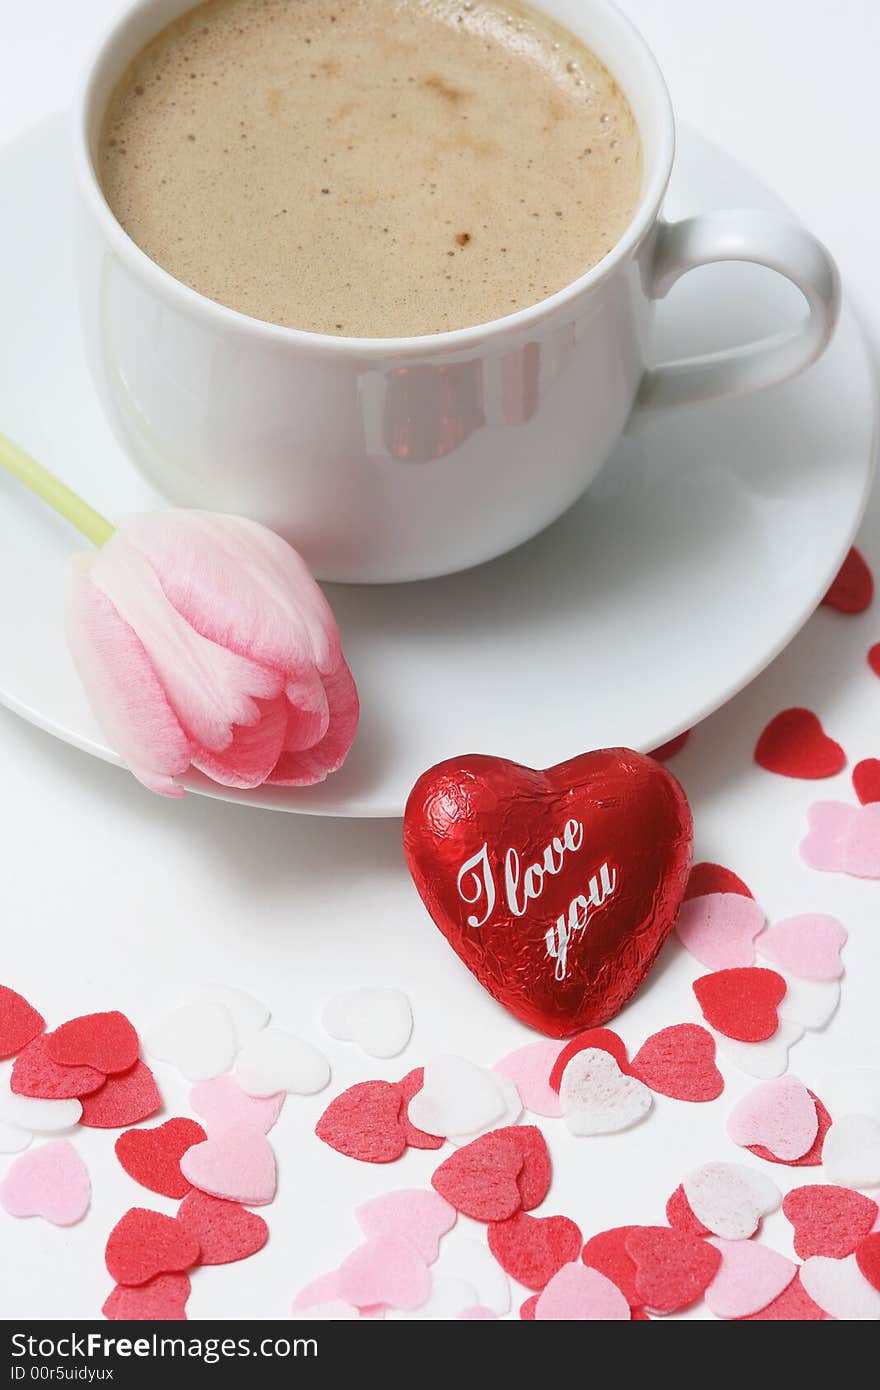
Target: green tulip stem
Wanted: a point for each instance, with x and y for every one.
(87, 521)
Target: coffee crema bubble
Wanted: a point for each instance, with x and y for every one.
(380, 169)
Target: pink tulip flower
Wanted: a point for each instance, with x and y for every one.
(203, 641)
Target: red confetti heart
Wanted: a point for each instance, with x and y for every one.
(866, 780)
(152, 1156)
(162, 1299)
(714, 878)
(497, 1175)
(19, 1022)
(680, 1062)
(527, 1309)
(794, 744)
(145, 1243)
(603, 1038)
(532, 1248)
(365, 1122)
(411, 1084)
(225, 1231)
(123, 1100)
(669, 750)
(606, 1251)
(35, 1074)
(853, 588)
(874, 659)
(510, 875)
(828, 1220)
(672, 1269)
(106, 1042)
(681, 1217)
(868, 1258)
(792, 1305)
(813, 1157)
(741, 1003)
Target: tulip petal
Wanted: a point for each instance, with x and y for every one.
(123, 689)
(253, 752)
(308, 716)
(239, 584)
(209, 688)
(312, 765)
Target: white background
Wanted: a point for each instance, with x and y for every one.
(112, 898)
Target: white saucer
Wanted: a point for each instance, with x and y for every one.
(696, 556)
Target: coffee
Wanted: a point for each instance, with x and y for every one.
(372, 168)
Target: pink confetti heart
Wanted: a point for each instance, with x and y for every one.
(843, 838)
(386, 1270)
(719, 929)
(415, 1214)
(780, 1115)
(577, 1293)
(529, 1068)
(478, 1314)
(51, 1181)
(238, 1165)
(807, 946)
(222, 1105)
(749, 1277)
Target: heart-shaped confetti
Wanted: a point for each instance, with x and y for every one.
(276, 1061)
(792, 1305)
(496, 1175)
(794, 744)
(238, 1165)
(477, 1314)
(828, 1220)
(763, 1060)
(603, 1038)
(19, 1022)
(225, 1231)
(364, 1122)
(322, 1293)
(813, 1155)
(107, 1042)
(866, 780)
(448, 1299)
(249, 1015)
(714, 878)
(222, 1104)
(809, 1003)
(416, 1138)
(673, 1270)
(681, 1217)
(50, 1181)
(152, 1156)
(385, 1270)
(843, 839)
(729, 1200)
(529, 1069)
(874, 658)
(751, 1275)
(596, 1096)
(868, 1258)
(123, 1100)
(39, 1116)
(35, 1074)
(198, 1039)
(607, 1252)
(741, 1004)
(853, 589)
(840, 1288)
(145, 1243)
(851, 1155)
(532, 1248)
(419, 1216)
(527, 1308)
(378, 1020)
(680, 1062)
(162, 1299)
(578, 1293)
(457, 1097)
(780, 1115)
(807, 946)
(719, 929)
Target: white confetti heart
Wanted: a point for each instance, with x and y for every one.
(198, 1039)
(854, 1091)
(249, 1015)
(764, 1060)
(596, 1096)
(459, 1098)
(277, 1061)
(513, 1109)
(851, 1151)
(840, 1288)
(38, 1116)
(378, 1020)
(811, 1003)
(730, 1199)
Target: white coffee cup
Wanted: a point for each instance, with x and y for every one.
(386, 459)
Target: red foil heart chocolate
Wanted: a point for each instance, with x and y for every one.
(556, 888)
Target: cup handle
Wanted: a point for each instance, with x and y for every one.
(762, 238)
